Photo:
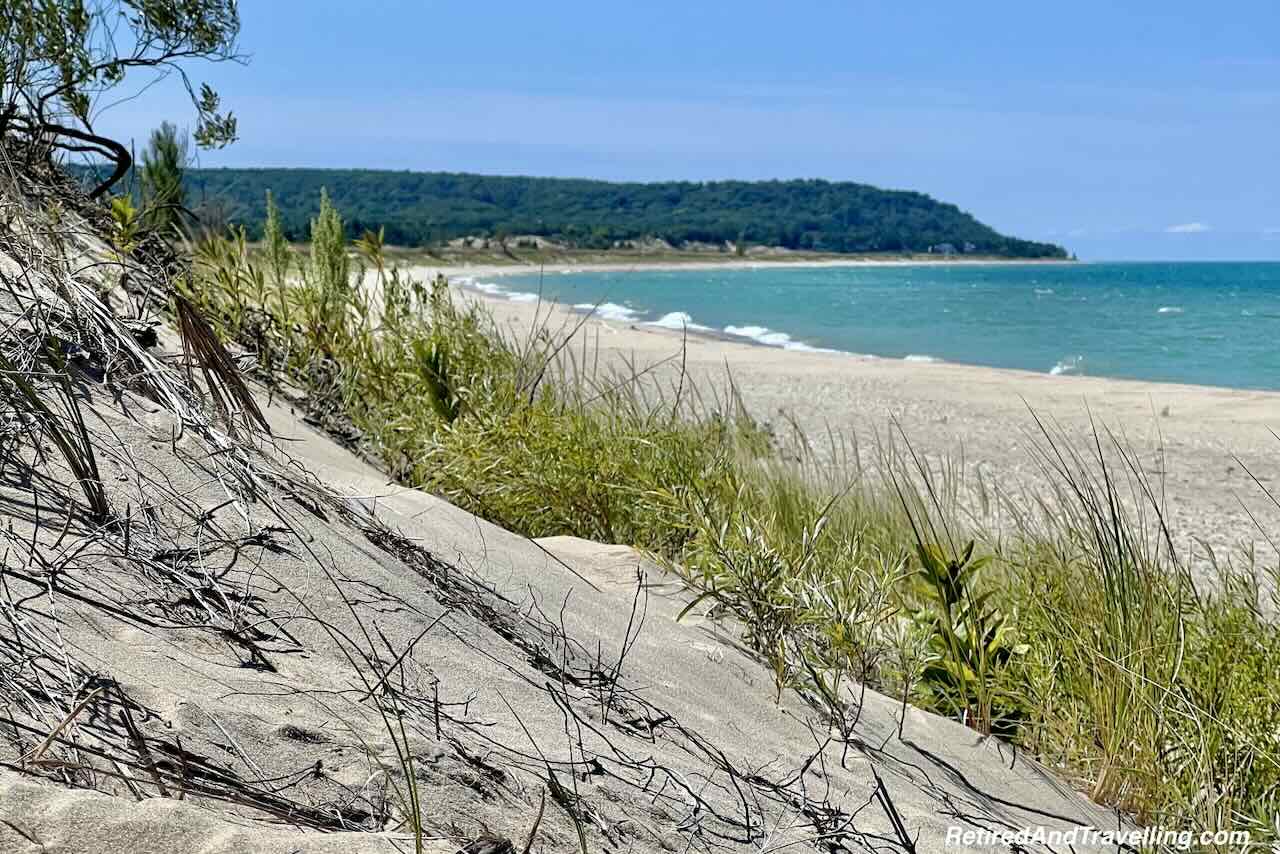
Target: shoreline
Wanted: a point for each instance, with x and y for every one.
(466, 276)
(711, 335)
(1201, 447)
(464, 280)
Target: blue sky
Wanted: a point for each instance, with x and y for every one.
(1151, 131)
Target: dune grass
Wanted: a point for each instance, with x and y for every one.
(1082, 637)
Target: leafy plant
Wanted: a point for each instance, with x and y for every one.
(329, 268)
(279, 255)
(324, 298)
(971, 641)
(433, 363)
(126, 226)
(749, 580)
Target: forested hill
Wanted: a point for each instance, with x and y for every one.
(421, 208)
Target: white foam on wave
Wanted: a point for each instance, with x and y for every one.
(677, 320)
(920, 357)
(609, 311)
(756, 333)
(490, 289)
(772, 338)
(1169, 309)
(1044, 292)
(1069, 365)
(801, 347)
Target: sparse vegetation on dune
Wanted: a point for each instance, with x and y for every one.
(1080, 637)
(162, 554)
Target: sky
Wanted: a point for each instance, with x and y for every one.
(1150, 131)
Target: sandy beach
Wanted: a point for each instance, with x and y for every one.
(1201, 446)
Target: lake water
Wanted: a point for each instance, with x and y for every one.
(1205, 323)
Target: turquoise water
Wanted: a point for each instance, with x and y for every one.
(1205, 323)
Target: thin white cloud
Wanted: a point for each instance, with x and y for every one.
(1188, 228)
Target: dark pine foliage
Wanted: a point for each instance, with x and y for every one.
(423, 208)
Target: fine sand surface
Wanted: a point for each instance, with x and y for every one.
(690, 747)
(1200, 446)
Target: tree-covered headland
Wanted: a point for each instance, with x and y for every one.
(426, 208)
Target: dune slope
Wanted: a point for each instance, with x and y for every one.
(249, 641)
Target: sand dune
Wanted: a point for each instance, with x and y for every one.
(690, 722)
(257, 644)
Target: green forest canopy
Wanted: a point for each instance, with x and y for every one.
(425, 208)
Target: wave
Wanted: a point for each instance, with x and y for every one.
(1044, 292)
(678, 320)
(801, 347)
(489, 289)
(1068, 366)
(610, 311)
(759, 334)
(920, 357)
(1169, 309)
(772, 338)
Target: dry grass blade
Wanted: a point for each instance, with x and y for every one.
(36, 754)
(533, 831)
(73, 442)
(891, 810)
(200, 344)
